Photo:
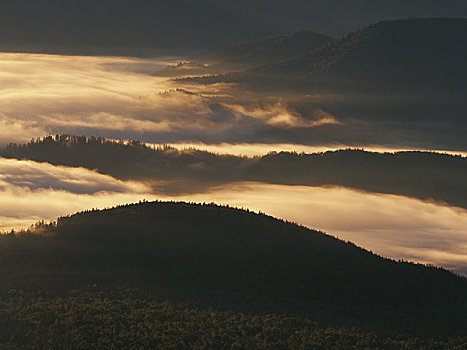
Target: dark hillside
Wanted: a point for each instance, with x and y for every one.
(235, 257)
(185, 170)
(248, 54)
(401, 55)
(394, 55)
(423, 175)
(404, 79)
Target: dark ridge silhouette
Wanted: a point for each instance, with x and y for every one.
(399, 77)
(248, 54)
(236, 257)
(183, 170)
(423, 175)
(406, 55)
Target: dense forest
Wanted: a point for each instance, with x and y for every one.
(423, 175)
(100, 317)
(242, 266)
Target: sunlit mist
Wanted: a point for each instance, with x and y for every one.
(261, 149)
(31, 191)
(121, 98)
(393, 226)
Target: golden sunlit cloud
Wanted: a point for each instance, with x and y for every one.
(105, 96)
(261, 149)
(393, 226)
(119, 98)
(279, 115)
(31, 191)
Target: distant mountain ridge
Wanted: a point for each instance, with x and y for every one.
(248, 54)
(397, 55)
(423, 175)
(398, 77)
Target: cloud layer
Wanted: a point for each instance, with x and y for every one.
(104, 96)
(393, 226)
(31, 191)
(118, 98)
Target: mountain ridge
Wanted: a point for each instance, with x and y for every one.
(233, 253)
(376, 52)
(248, 54)
(418, 174)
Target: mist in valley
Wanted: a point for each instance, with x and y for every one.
(144, 147)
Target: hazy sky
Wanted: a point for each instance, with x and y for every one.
(183, 26)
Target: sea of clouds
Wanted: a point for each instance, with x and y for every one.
(393, 226)
(118, 98)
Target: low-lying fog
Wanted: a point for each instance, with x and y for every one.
(393, 226)
(118, 98)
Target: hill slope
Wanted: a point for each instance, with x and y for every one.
(248, 54)
(233, 256)
(421, 175)
(398, 55)
(400, 77)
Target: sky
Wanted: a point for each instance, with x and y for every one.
(155, 27)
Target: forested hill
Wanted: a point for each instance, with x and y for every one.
(236, 257)
(423, 175)
(189, 170)
(398, 55)
(248, 54)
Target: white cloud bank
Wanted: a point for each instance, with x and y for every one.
(31, 191)
(118, 98)
(103, 96)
